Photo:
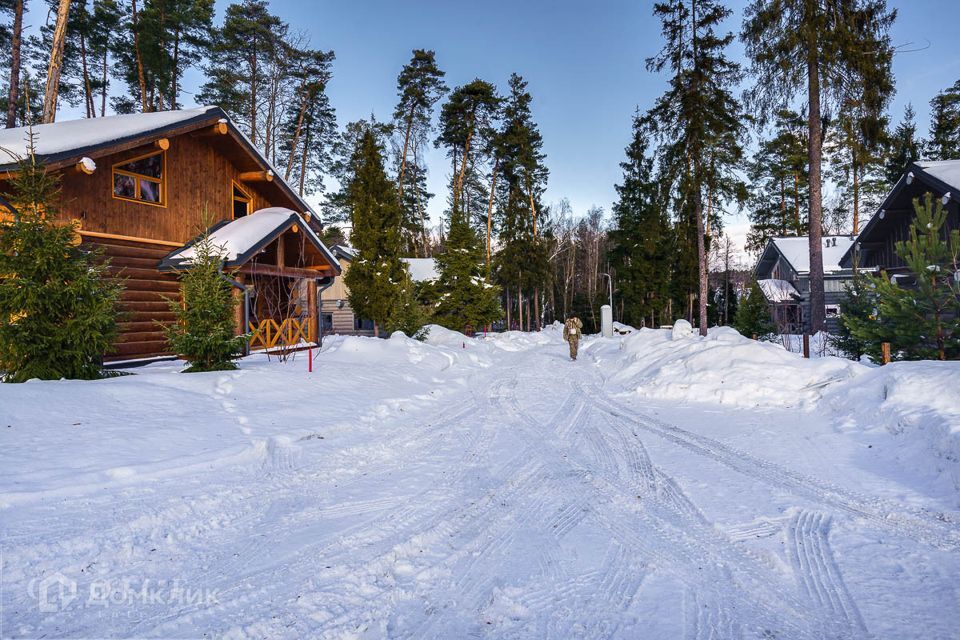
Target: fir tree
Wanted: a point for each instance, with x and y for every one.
(464, 296)
(859, 333)
(904, 147)
(205, 332)
(57, 309)
(698, 123)
(944, 142)
(921, 321)
(829, 51)
(408, 314)
(640, 238)
(753, 315)
(376, 275)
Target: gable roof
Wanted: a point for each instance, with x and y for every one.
(779, 290)
(64, 143)
(796, 251)
(942, 177)
(241, 239)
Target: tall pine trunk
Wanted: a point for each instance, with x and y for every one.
(103, 79)
(296, 135)
(403, 158)
(493, 187)
(814, 154)
(87, 89)
(13, 94)
(56, 63)
(141, 78)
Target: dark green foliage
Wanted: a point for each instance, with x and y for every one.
(57, 311)
(376, 276)
(699, 125)
(860, 332)
(944, 142)
(753, 315)
(904, 148)
(778, 182)
(464, 296)
(205, 332)
(337, 207)
(640, 238)
(921, 319)
(408, 314)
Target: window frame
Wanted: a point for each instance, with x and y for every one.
(162, 182)
(236, 186)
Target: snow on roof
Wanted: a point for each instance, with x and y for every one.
(797, 252)
(238, 238)
(422, 269)
(778, 290)
(947, 171)
(70, 135)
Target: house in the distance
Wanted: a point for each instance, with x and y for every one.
(875, 249)
(337, 316)
(142, 187)
(783, 273)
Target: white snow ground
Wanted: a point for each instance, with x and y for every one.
(656, 488)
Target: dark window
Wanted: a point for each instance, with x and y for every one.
(361, 324)
(241, 202)
(140, 179)
(326, 321)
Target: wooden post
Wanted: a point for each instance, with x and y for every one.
(312, 332)
(885, 350)
(806, 346)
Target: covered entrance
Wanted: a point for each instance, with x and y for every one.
(275, 261)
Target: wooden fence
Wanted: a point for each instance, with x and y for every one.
(270, 334)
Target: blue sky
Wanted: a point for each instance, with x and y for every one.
(584, 62)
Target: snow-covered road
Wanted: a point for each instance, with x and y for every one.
(424, 492)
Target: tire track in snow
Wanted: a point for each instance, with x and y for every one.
(819, 576)
(914, 525)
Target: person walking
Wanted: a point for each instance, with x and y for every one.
(571, 333)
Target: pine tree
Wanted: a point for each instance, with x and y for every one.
(521, 265)
(204, 334)
(829, 50)
(698, 123)
(778, 182)
(58, 311)
(408, 314)
(640, 238)
(859, 333)
(12, 40)
(753, 315)
(376, 275)
(904, 147)
(419, 87)
(921, 321)
(944, 142)
(464, 296)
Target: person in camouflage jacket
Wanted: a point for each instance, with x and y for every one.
(572, 333)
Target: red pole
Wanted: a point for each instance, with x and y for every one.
(310, 360)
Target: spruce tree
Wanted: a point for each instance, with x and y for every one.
(640, 238)
(376, 276)
(464, 296)
(944, 142)
(753, 315)
(408, 314)
(698, 123)
(859, 333)
(922, 320)
(58, 310)
(904, 148)
(829, 51)
(205, 331)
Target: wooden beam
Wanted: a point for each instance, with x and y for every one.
(163, 144)
(84, 167)
(218, 129)
(256, 176)
(285, 272)
(114, 236)
(281, 252)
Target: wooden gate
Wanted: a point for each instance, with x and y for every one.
(270, 334)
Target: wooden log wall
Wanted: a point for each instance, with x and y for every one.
(144, 303)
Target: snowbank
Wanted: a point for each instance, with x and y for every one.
(723, 367)
(908, 414)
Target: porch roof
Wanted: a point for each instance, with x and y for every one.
(779, 290)
(237, 241)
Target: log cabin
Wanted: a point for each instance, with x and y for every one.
(875, 248)
(142, 187)
(783, 272)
